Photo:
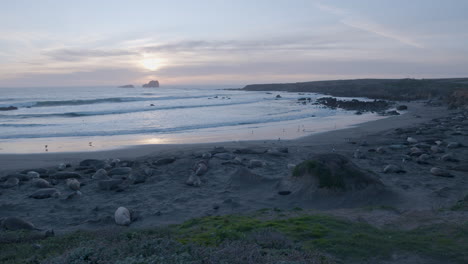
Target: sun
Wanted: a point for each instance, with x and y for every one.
(151, 64)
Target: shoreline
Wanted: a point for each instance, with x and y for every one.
(17, 161)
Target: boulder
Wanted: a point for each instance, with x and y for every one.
(11, 182)
(137, 177)
(41, 183)
(193, 180)
(33, 175)
(449, 157)
(97, 164)
(73, 184)
(402, 107)
(151, 84)
(15, 223)
(440, 172)
(45, 193)
(100, 174)
(122, 216)
(393, 169)
(126, 86)
(65, 175)
(120, 171)
(224, 156)
(164, 161)
(256, 163)
(107, 185)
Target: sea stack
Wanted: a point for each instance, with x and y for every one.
(127, 86)
(151, 84)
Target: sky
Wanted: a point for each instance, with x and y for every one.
(117, 42)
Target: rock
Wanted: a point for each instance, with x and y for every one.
(381, 150)
(218, 150)
(97, 164)
(38, 170)
(65, 175)
(200, 168)
(224, 156)
(249, 151)
(33, 175)
(256, 163)
(107, 185)
(73, 184)
(277, 151)
(278, 96)
(463, 167)
(126, 86)
(61, 166)
(402, 107)
(393, 112)
(11, 182)
(397, 146)
(45, 193)
(120, 171)
(100, 174)
(193, 180)
(412, 140)
(440, 172)
(15, 223)
(19, 176)
(453, 145)
(122, 216)
(449, 157)
(137, 177)
(206, 155)
(8, 108)
(414, 151)
(422, 159)
(164, 161)
(436, 149)
(358, 154)
(151, 84)
(73, 195)
(41, 183)
(393, 169)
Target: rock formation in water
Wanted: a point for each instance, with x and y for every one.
(151, 84)
(127, 86)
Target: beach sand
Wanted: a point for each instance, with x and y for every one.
(234, 184)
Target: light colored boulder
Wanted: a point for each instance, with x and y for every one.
(122, 216)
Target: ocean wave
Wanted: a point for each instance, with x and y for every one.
(25, 125)
(117, 112)
(160, 130)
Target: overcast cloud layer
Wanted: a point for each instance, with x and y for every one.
(73, 43)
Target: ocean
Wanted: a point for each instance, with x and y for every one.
(96, 118)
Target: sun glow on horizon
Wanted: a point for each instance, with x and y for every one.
(151, 63)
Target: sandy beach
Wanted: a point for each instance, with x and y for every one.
(244, 176)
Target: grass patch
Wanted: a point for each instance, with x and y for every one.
(244, 239)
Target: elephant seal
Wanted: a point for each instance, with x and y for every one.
(16, 223)
(73, 184)
(45, 193)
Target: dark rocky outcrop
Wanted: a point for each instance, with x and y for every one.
(151, 84)
(8, 108)
(127, 86)
(376, 105)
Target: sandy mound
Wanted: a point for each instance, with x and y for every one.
(332, 179)
(244, 179)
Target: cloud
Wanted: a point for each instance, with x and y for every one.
(80, 54)
(352, 20)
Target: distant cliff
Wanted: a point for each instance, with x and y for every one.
(127, 86)
(390, 89)
(151, 84)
